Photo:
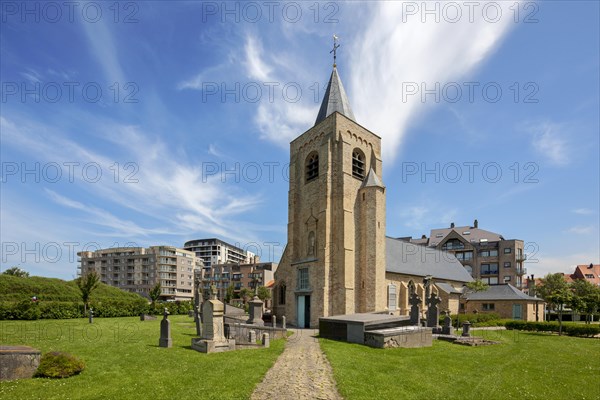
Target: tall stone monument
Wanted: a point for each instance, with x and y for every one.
(256, 312)
(213, 330)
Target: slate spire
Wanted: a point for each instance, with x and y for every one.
(335, 99)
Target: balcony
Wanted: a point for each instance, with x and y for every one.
(521, 257)
(521, 270)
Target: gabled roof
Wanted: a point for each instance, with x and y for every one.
(473, 235)
(411, 259)
(335, 99)
(591, 270)
(447, 288)
(501, 292)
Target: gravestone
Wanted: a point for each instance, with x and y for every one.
(165, 331)
(266, 340)
(433, 312)
(415, 308)
(256, 312)
(91, 316)
(283, 322)
(252, 337)
(466, 329)
(213, 329)
(447, 328)
(274, 321)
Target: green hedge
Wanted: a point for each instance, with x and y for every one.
(29, 310)
(570, 329)
(174, 307)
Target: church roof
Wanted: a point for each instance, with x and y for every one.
(372, 180)
(411, 259)
(501, 292)
(335, 99)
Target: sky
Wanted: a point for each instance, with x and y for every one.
(150, 123)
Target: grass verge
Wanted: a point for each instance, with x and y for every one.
(123, 361)
(525, 366)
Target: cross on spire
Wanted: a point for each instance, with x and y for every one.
(334, 50)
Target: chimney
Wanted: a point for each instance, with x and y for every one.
(452, 225)
(591, 266)
(475, 224)
(423, 236)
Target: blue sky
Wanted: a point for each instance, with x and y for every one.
(160, 122)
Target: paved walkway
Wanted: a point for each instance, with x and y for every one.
(300, 372)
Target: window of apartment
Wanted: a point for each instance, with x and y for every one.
(589, 276)
(453, 244)
(488, 307)
(507, 264)
(358, 164)
(507, 250)
(282, 294)
(464, 256)
(312, 166)
(506, 278)
(492, 280)
(489, 269)
(303, 283)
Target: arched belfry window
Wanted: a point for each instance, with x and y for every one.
(312, 166)
(358, 164)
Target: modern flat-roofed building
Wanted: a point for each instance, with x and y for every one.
(139, 269)
(238, 276)
(215, 251)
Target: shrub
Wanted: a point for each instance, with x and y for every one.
(479, 319)
(59, 365)
(582, 330)
(570, 329)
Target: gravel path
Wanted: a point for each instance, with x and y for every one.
(300, 372)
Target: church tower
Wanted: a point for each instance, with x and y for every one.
(334, 260)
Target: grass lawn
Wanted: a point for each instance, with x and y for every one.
(123, 361)
(525, 366)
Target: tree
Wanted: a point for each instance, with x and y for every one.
(155, 293)
(87, 284)
(477, 286)
(263, 293)
(556, 292)
(16, 271)
(585, 299)
(229, 294)
(246, 294)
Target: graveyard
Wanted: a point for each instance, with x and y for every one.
(124, 360)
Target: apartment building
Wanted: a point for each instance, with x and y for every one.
(139, 269)
(485, 255)
(238, 276)
(215, 251)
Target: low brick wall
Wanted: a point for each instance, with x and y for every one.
(18, 362)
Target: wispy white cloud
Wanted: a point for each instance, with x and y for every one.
(581, 229)
(105, 51)
(174, 195)
(543, 263)
(583, 211)
(549, 140)
(388, 56)
(424, 217)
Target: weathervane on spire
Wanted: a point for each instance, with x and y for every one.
(335, 47)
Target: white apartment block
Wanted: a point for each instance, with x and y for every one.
(138, 269)
(215, 251)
